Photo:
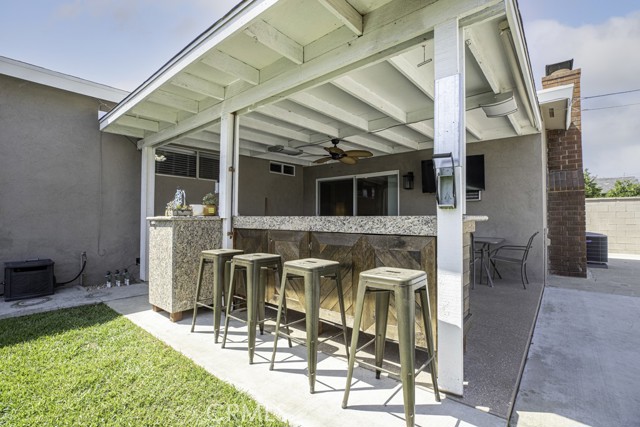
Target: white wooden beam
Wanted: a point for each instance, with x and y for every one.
(137, 123)
(156, 112)
(253, 122)
(198, 85)
(333, 40)
(450, 138)
(370, 97)
(206, 136)
(230, 65)
(215, 35)
(399, 33)
(262, 138)
(475, 47)
(228, 175)
(190, 142)
(422, 77)
(276, 41)
(398, 138)
(147, 195)
(174, 101)
(515, 124)
(281, 113)
(125, 130)
(423, 128)
(327, 108)
(346, 13)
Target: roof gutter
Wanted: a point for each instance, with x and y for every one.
(236, 19)
(515, 46)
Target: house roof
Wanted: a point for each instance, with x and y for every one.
(555, 104)
(43, 76)
(607, 184)
(299, 72)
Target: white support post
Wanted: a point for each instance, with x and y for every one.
(450, 138)
(229, 149)
(147, 200)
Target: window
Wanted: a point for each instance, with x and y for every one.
(188, 163)
(361, 195)
(282, 168)
(208, 166)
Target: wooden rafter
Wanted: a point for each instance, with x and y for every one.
(346, 13)
(276, 41)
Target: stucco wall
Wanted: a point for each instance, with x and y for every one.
(166, 187)
(264, 193)
(513, 200)
(619, 219)
(65, 187)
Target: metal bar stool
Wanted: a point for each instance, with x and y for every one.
(221, 259)
(256, 266)
(310, 270)
(404, 284)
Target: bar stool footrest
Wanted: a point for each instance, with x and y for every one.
(368, 343)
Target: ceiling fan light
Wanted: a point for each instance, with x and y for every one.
(281, 149)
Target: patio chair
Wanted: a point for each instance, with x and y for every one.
(477, 252)
(515, 254)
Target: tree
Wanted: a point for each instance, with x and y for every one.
(624, 188)
(591, 189)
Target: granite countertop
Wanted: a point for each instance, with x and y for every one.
(392, 225)
(184, 218)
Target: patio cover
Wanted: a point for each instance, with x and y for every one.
(389, 76)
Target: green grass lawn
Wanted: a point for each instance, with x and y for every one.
(89, 366)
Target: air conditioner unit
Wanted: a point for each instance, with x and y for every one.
(28, 279)
(597, 248)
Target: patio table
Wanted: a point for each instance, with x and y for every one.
(486, 242)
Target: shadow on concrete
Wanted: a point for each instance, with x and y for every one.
(503, 318)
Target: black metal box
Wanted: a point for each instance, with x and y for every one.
(28, 279)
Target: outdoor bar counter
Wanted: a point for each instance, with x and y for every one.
(358, 243)
(175, 243)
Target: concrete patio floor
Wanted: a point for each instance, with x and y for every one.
(285, 390)
(581, 368)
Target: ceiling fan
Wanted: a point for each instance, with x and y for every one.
(349, 157)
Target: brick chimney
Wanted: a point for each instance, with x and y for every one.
(565, 182)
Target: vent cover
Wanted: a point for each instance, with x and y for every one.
(474, 195)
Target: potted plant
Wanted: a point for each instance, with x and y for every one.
(210, 202)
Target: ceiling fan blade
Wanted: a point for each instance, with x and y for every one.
(349, 160)
(358, 153)
(322, 160)
(334, 150)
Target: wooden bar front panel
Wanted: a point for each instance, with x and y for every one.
(356, 253)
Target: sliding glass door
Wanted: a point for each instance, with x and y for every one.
(360, 195)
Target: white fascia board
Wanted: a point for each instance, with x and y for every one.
(43, 76)
(234, 21)
(515, 23)
(558, 93)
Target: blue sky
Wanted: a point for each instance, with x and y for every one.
(122, 42)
